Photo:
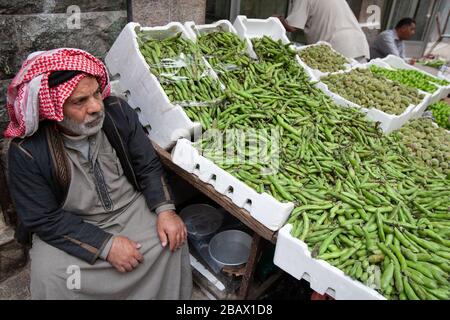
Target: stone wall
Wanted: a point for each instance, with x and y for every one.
(27, 26)
(371, 33)
(157, 13)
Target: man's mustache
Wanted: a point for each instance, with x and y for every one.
(94, 119)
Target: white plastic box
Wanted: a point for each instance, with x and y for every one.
(167, 122)
(257, 28)
(292, 255)
(263, 207)
(388, 122)
(350, 62)
(432, 97)
(196, 30)
(398, 63)
(271, 27)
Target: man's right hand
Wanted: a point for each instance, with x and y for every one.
(286, 25)
(124, 254)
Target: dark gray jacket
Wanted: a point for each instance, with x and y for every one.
(39, 178)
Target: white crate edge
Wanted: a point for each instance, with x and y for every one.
(389, 122)
(317, 72)
(394, 62)
(263, 207)
(168, 122)
(399, 63)
(292, 255)
(226, 25)
(271, 27)
(248, 28)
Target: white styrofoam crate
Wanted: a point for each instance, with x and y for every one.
(167, 122)
(257, 28)
(248, 29)
(394, 62)
(389, 122)
(419, 110)
(292, 255)
(350, 62)
(196, 30)
(261, 206)
(399, 63)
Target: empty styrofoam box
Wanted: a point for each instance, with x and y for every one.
(388, 122)
(293, 256)
(350, 62)
(166, 122)
(263, 207)
(196, 30)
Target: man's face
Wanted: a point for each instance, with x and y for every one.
(84, 110)
(407, 31)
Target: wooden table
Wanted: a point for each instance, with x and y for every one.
(260, 231)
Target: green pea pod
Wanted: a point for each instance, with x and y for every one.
(305, 226)
(397, 270)
(380, 227)
(376, 258)
(409, 290)
(387, 276)
(399, 256)
(328, 241)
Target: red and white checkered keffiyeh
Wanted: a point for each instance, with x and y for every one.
(30, 99)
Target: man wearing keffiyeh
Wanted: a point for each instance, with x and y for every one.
(88, 187)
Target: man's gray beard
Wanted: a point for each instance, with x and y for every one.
(83, 129)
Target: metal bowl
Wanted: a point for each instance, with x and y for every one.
(230, 248)
(201, 220)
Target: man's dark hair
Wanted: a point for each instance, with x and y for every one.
(405, 22)
(58, 77)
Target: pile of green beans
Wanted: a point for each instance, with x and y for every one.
(178, 64)
(362, 201)
(226, 53)
(411, 78)
(323, 58)
(370, 90)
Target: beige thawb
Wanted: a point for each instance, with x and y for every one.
(332, 21)
(162, 275)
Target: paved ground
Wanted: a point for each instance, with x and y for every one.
(17, 287)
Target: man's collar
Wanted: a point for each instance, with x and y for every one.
(396, 35)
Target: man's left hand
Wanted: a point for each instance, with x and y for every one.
(171, 229)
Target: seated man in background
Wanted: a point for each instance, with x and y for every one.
(88, 185)
(391, 41)
(330, 21)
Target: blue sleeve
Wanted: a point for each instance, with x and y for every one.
(387, 44)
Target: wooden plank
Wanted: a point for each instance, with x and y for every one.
(250, 267)
(242, 214)
(265, 285)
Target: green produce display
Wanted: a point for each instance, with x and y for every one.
(441, 112)
(370, 90)
(429, 144)
(226, 53)
(361, 199)
(180, 69)
(363, 202)
(411, 78)
(435, 63)
(323, 58)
